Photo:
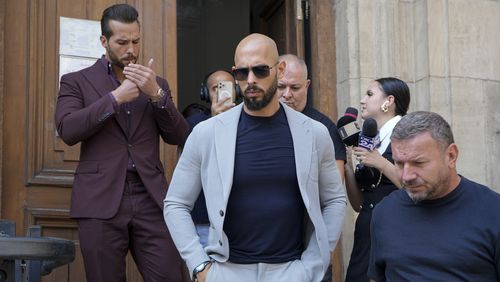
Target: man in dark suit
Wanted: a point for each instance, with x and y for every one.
(118, 109)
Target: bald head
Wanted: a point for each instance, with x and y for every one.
(292, 87)
(257, 43)
(294, 65)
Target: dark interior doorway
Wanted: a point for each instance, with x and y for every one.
(209, 30)
(207, 34)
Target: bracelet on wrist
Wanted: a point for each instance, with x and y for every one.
(200, 268)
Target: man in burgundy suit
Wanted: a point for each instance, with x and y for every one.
(118, 110)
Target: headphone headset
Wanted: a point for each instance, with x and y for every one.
(204, 92)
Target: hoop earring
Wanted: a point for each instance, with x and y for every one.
(384, 107)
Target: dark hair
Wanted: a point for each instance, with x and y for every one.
(419, 122)
(399, 89)
(123, 13)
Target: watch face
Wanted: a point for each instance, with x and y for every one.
(200, 268)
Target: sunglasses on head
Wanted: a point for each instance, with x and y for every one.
(260, 71)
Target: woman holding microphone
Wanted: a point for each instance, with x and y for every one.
(374, 177)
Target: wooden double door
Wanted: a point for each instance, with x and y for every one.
(36, 166)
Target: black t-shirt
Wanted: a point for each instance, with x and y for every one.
(454, 238)
(265, 212)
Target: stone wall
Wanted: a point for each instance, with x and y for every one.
(448, 51)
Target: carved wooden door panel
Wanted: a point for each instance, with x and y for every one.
(282, 20)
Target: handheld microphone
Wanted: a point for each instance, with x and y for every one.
(348, 127)
(369, 138)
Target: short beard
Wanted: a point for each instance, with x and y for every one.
(422, 196)
(114, 60)
(416, 198)
(253, 104)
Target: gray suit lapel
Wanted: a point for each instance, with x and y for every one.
(226, 127)
(300, 127)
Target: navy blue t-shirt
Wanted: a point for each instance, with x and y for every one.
(265, 213)
(454, 238)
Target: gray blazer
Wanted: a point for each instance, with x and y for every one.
(208, 161)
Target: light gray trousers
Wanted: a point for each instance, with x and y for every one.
(292, 271)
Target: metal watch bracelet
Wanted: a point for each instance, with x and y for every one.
(200, 268)
(159, 94)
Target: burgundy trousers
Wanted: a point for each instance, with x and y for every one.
(139, 227)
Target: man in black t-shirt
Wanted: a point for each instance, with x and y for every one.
(440, 226)
(292, 88)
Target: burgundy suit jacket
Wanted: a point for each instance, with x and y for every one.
(85, 113)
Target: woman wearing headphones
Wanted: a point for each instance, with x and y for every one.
(374, 176)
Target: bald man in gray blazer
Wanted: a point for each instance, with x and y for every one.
(274, 195)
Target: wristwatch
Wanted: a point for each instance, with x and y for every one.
(199, 269)
(159, 94)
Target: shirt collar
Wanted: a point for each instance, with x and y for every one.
(385, 133)
(109, 69)
(106, 64)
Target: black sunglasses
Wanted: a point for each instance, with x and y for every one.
(260, 71)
